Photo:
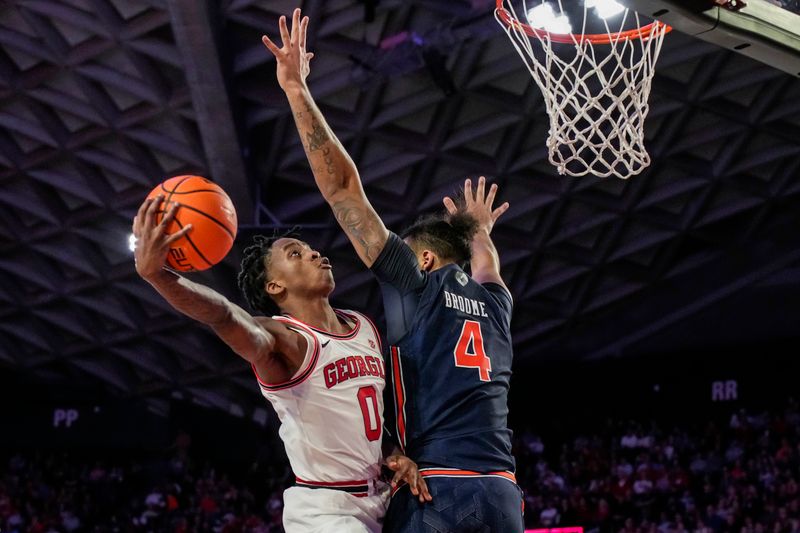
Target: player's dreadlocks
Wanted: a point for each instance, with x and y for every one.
(450, 236)
(255, 269)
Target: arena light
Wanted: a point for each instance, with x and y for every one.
(605, 9)
(543, 16)
(132, 242)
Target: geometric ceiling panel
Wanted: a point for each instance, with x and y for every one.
(100, 101)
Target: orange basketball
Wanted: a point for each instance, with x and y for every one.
(205, 206)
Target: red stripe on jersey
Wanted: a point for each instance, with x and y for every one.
(399, 397)
(426, 472)
(358, 483)
(453, 472)
(359, 489)
(302, 375)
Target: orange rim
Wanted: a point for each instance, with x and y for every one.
(645, 32)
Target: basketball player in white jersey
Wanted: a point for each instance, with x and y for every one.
(320, 367)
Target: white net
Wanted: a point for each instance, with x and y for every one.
(596, 93)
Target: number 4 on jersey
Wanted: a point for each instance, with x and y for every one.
(469, 351)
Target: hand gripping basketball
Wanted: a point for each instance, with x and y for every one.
(152, 240)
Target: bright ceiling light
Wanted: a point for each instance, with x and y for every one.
(605, 8)
(543, 16)
(132, 242)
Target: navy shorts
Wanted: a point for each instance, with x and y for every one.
(485, 504)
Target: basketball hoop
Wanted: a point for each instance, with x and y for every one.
(596, 87)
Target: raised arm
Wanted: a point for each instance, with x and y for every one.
(485, 263)
(257, 340)
(334, 172)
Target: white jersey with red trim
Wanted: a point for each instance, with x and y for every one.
(331, 411)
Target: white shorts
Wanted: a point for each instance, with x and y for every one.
(334, 511)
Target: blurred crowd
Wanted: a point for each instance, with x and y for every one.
(741, 474)
(63, 492)
(736, 474)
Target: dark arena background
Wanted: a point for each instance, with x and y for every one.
(656, 324)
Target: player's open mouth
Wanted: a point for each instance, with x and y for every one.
(324, 263)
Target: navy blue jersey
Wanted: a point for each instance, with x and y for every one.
(450, 361)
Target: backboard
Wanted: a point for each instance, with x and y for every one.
(765, 30)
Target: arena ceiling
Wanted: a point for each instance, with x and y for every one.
(102, 99)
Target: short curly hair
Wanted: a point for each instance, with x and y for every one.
(255, 270)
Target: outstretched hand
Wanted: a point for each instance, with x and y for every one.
(479, 204)
(292, 58)
(406, 470)
(152, 239)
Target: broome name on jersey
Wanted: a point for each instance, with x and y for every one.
(465, 305)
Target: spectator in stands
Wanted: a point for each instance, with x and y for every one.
(742, 476)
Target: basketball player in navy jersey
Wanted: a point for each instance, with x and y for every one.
(449, 331)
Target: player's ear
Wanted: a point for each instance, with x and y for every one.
(274, 288)
(428, 260)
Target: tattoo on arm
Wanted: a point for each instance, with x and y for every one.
(362, 225)
(328, 160)
(333, 169)
(317, 137)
